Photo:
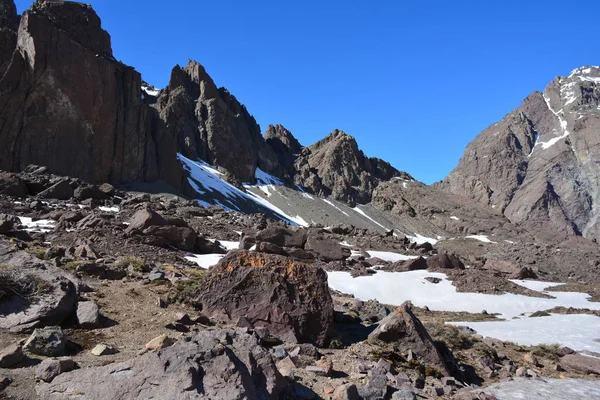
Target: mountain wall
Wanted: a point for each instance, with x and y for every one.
(540, 165)
(68, 104)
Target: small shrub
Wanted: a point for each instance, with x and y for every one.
(136, 263)
(28, 286)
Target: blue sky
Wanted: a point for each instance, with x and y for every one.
(413, 81)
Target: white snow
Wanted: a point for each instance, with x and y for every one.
(266, 179)
(205, 260)
(336, 207)
(150, 91)
(455, 218)
(41, 225)
(397, 287)
(389, 256)
(308, 196)
(563, 124)
(229, 245)
(576, 330)
(210, 180)
(420, 239)
(589, 79)
(481, 238)
(344, 243)
(114, 209)
(545, 389)
(404, 185)
(361, 212)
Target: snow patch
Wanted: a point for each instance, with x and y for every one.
(455, 218)
(336, 207)
(481, 238)
(114, 209)
(361, 212)
(205, 260)
(544, 389)
(41, 225)
(389, 256)
(420, 239)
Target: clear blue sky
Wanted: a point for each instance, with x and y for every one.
(413, 81)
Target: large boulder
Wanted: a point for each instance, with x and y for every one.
(403, 329)
(290, 298)
(144, 219)
(325, 248)
(581, 364)
(283, 237)
(33, 293)
(444, 261)
(175, 236)
(12, 185)
(61, 190)
(222, 364)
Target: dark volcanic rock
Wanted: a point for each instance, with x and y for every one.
(95, 126)
(222, 364)
(283, 237)
(12, 185)
(405, 330)
(325, 248)
(443, 261)
(290, 298)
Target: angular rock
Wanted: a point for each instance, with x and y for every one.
(12, 185)
(88, 315)
(443, 261)
(406, 331)
(11, 355)
(181, 238)
(50, 368)
(283, 237)
(144, 219)
(159, 342)
(47, 294)
(327, 249)
(103, 350)
(49, 342)
(61, 190)
(186, 370)
(290, 298)
(347, 391)
(581, 364)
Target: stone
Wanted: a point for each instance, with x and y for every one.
(88, 315)
(531, 359)
(61, 190)
(5, 382)
(11, 356)
(376, 387)
(49, 342)
(144, 219)
(191, 369)
(325, 248)
(12, 185)
(103, 350)
(156, 275)
(404, 329)
(347, 391)
(444, 260)
(159, 342)
(51, 305)
(288, 297)
(521, 372)
(581, 364)
(326, 365)
(283, 237)
(50, 368)
(403, 394)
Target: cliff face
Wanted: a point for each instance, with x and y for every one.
(212, 125)
(540, 165)
(66, 103)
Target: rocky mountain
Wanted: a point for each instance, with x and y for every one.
(94, 127)
(540, 165)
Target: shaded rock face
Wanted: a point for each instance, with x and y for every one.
(336, 167)
(95, 126)
(406, 331)
(222, 364)
(539, 165)
(9, 22)
(290, 298)
(212, 125)
(285, 146)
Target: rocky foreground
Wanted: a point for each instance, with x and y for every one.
(102, 297)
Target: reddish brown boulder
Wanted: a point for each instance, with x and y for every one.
(443, 261)
(288, 297)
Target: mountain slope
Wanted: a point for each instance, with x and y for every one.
(540, 165)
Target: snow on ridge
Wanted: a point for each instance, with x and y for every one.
(361, 212)
(206, 175)
(481, 238)
(420, 239)
(336, 207)
(151, 91)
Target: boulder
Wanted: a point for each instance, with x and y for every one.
(271, 248)
(12, 185)
(327, 249)
(409, 265)
(175, 236)
(581, 364)
(49, 342)
(11, 355)
(405, 331)
(61, 190)
(222, 364)
(46, 296)
(443, 261)
(347, 391)
(50, 368)
(7, 223)
(88, 315)
(85, 192)
(288, 297)
(283, 237)
(144, 219)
